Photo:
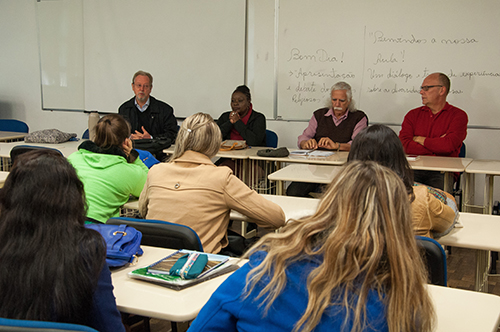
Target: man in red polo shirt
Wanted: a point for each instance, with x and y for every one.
(435, 129)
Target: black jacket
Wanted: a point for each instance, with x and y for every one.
(254, 132)
(163, 123)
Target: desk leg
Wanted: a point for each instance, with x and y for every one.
(448, 182)
(279, 187)
(488, 194)
(467, 189)
(482, 264)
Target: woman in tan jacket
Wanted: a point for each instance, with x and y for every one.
(434, 211)
(192, 191)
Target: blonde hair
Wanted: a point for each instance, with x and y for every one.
(198, 133)
(111, 130)
(363, 235)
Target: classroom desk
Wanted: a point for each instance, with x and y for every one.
(324, 174)
(151, 300)
(11, 136)
(480, 232)
(65, 148)
(448, 165)
(490, 169)
(293, 207)
(241, 158)
(304, 173)
(456, 310)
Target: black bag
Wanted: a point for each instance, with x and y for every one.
(237, 244)
(279, 152)
(153, 145)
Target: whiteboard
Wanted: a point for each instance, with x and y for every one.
(194, 49)
(60, 32)
(384, 49)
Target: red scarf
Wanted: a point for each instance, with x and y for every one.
(235, 135)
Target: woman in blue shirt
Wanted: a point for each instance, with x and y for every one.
(352, 266)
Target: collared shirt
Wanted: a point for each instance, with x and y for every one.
(144, 107)
(444, 131)
(310, 131)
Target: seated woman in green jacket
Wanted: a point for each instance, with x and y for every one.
(109, 168)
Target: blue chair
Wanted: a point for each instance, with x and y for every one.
(85, 134)
(435, 258)
(163, 234)
(13, 125)
(7, 324)
(271, 139)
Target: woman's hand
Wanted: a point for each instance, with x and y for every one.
(127, 146)
(234, 117)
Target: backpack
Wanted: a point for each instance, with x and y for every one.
(123, 243)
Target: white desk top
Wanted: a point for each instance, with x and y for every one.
(457, 310)
(305, 173)
(66, 148)
(233, 154)
(478, 166)
(294, 207)
(338, 158)
(8, 135)
(443, 164)
(151, 300)
(480, 231)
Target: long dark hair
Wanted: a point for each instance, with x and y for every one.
(50, 262)
(381, 144)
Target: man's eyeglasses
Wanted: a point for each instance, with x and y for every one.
(427, 87)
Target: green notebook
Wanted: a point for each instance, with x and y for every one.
(158, 272)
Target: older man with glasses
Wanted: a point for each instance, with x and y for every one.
(435, 129)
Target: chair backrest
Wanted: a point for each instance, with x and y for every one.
(271, 139)
(20, 149)
(461, 154)
(435, 257)
(12, 325)
(163, 234)
(13, 125)
(85, 134)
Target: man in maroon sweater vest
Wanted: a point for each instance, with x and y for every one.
(330, 128)
(435, 129)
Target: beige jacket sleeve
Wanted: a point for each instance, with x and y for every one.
(246, 201)
(429, 213)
